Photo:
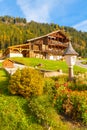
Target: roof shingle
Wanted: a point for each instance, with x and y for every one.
(70, 50)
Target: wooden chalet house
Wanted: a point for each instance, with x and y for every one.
(50, 46)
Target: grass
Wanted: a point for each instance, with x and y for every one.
(4, 77)
(0, 64)
(84, 62)
(48, 64)
(78, 69)
(85, 59)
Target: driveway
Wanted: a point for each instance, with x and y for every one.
(78, 63)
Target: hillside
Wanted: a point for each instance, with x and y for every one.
(15, 31)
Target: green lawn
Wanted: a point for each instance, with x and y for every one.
(48, 64)
(84, 61)
(0, 64)
(4, 77)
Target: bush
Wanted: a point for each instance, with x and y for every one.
(49, 88)
(76, 106)
(45, 115)
(26, 82)
(72, 103)
(14, 114)
(80, 82)
(61, 78)
(60, 98)
(38, 108)
(68, 100)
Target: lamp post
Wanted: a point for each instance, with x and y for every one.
(70, 56)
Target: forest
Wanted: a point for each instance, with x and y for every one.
(17, 30)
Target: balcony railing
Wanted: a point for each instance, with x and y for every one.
(57, 43)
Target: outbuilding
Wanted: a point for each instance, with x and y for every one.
(7, 63)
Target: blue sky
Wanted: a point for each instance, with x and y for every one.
(71, 13)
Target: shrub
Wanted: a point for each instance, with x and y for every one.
(49, 88)
(80, 82)
(14, 114)
(45, 115)
(37, 107)
(61, 78)
(60, 98)
(26, 82)
(76, 106)
(72, 103)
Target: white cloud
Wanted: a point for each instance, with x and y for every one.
(38, 10)
(82, 26)
(42, 10)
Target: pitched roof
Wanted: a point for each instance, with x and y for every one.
(37, 38)
(47, 35)
(70, 50)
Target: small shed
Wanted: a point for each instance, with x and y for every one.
(7, 63)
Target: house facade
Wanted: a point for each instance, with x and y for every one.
(50, 46)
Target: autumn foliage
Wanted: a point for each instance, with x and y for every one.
(71, 98)
(26, 82)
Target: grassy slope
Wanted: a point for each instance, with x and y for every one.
(48, 64)
(0, 64)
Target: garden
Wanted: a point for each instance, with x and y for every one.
(28, 101)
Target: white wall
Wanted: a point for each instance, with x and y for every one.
(52, 57)
(14, 55)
